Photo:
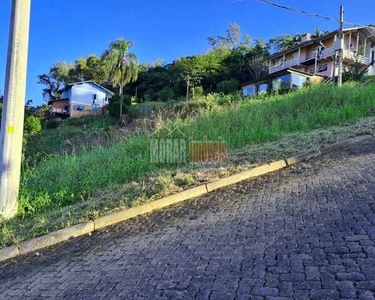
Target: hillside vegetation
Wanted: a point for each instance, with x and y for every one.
(66, 179)
(68, 182)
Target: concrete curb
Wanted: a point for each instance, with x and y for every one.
(342, 144)
(146, 208)
(116, 217)
(258, 171)
(56, 237)
(302, 157)
(9, 252)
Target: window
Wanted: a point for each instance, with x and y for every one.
(79, 107)
(281, 82)
(248, 90)
(262, 88)
(322, 68)
(298, 81)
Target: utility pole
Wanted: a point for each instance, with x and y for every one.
(187, 88)
(14, 107)
(340, 56)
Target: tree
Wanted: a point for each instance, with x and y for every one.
(56, 80)
(318, 33)
(121, 66)
(258, 67)
(283, 42)
(232, 40)
(95, 70)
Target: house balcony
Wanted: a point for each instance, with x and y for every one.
(352, 56)
(59, 111)
(285, 65)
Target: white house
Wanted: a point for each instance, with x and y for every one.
(81, 99)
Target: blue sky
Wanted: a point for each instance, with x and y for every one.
(165, 29)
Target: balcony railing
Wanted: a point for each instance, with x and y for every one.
(286, 64)
(356, 57)
(329, 52)
(59, 111)
(326, 53)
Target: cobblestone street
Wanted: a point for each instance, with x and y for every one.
(305, 232)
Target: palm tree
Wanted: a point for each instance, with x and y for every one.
(318, 33)
(121, 65)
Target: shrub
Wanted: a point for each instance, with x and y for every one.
(53, 124)
(197, 91)
(166, 94)
(227, 86)
(353, 74)
(32, 125)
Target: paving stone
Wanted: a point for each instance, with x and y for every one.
(354, 276)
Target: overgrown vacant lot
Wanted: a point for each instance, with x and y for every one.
(66, 189)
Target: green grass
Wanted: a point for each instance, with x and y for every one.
(66, 182)
(69, 136)
(67, 179)
(267, 119)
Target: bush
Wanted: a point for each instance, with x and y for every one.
(228, 86)
(53, 124)
(166, 94)
(197, 91)
(32, 126)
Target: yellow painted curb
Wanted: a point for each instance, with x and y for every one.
(56, 237)
(9, 252)
(149, 207)
(277, 165)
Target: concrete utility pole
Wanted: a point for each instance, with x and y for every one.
(187, 88)
(341, 50)
(14, 107)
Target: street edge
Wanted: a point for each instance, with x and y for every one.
(89, 227)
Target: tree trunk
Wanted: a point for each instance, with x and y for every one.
(121, 104)
(120, 94)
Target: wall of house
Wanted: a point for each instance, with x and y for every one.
(81, 110)
(309, 51)
(371, 71)
(84, 94)
(321, 64)
(291, 55)
(352, 40)
(60, 104)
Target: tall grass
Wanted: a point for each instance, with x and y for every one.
(65, 180)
